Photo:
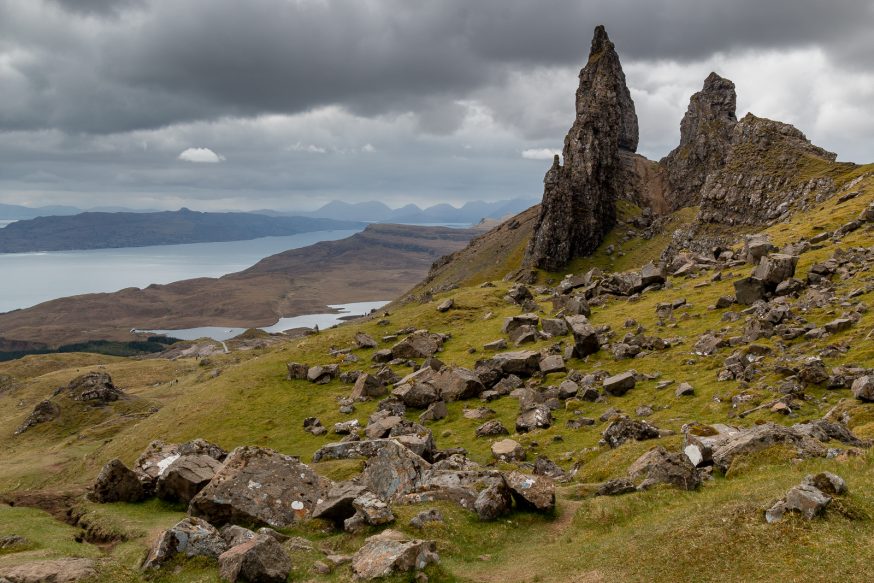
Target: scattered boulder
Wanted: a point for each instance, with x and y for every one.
(536, 492)
(749, 290)
(372, 510)
(684, 390)
(586, 339)
(493, 501)
(363, 340)
(185, 477)
(619, 384)
(419, 344)
(260, 559)
(116, 483)
(391, 552)
(508, 450)
(863, 388)
(658, 466)
(759, 437)
(774, 269)
(553, 363)
(806, 499)
(491, 429)
(456, 383)
(337, 503)
(192, 537)
(367, 386)
(624, 428)
(297, 371)
(260, 486)
(393, 471)
(323, 374)
(538, 417)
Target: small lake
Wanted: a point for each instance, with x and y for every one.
(4, 222)
(27, 279)
(323, 321)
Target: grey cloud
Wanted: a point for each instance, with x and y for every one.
(200, 59)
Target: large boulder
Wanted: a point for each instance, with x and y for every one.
(749, 290)
(774, 269)
(391, 552)
(699, 441)
(538, 417)
(337, 503)
(368, 385)
(260, 559)
(586, 340)
(116, 483)
(419, 344)
(185, 477)
(508, 450)
(863, 388)
(494, 500)
(192, 537)
(260, 486)
(393, 471)
(619, 384)
(535, 492)
(523, 363)
(456, 383)
(658, 466)
(624, 428)
(760, 437)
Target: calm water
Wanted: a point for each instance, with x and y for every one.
(3, 223)
(27, 279)
(321, 320)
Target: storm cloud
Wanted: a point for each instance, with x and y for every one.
(408, 101)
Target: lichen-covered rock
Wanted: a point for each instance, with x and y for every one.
(192, 537)
(391, 552)
(538, 417)
(624, 428)
(419, 344)
(619, 384)
(494, 501)
(536, 492)
(393, 471)
(185, 477)
(658, 466)
(508, 450)
(66, 570)
(260, 559)
(116, 483)
(760, 437)
(579, 197)
(260, 486)
(705, 138)
(863, 388)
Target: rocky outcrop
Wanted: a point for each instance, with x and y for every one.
(116, 483)
(763, 179)
(579, 196)
(391, 552)
(705, 139)
(260, 486)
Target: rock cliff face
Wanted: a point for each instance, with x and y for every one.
(764, 177)
(579, 197)
(705, 140)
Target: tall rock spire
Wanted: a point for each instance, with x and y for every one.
(579, 197)
(705, 141)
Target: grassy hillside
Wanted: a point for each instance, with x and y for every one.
(715, 534)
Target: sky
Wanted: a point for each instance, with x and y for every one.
(288, 104)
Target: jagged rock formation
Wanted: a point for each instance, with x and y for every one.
(579, 197)
(705, 139)
(764, 175)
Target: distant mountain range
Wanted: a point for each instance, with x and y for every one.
(128, 229)
(378, 212)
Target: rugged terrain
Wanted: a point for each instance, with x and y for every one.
(692, 399)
